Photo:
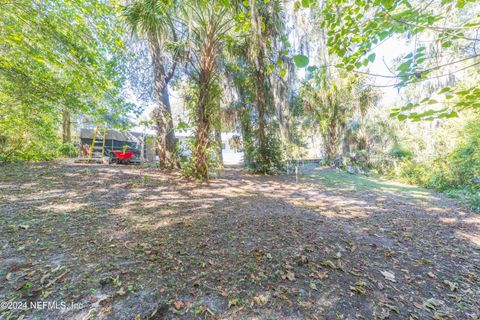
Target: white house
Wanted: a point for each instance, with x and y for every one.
(231, 155)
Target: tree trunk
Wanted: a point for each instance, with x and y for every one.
(260, 101)
(246, 136)
(208, 104)
(201, 148)
(166, 141)
(331, 140)
(202, 136)
(282, 91)
(66, 127)
(257, 55)
(218, 138)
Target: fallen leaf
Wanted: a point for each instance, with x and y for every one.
(260, 300)
(105, 300)
(224, 293)
(418, 305)
(442, 315)
(328, 263)
(121, 291)
(56, 279)
(389, 276)
(178, 305)
(203, 309)
(453, 286)
(46, 294)
(306, 304)
(432, 304)
(392, 307)
(358, 289)
(302, 260)
(290, 276)
(232, 302)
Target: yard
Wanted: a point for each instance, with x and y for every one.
(133, 242)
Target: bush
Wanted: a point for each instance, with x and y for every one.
(187, 159)
(27, 133)
(474, 201)
(465, 160)
(413, 172)
(401, 152)
(68, 150)
(466, 195)
(267, 158)
(457, 174)
(440, 175)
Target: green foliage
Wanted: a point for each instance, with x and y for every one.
(333, 101)
(300, 60)
(465, 159)
(150, 19)
(262, 55)
(56, 55)
(185, 157)
(414, 173)
(27, 133)
(267, 158)
(68, 150)
(187, 154)
(73, 50)
(356, 28)
(456, 174)
(401, 152)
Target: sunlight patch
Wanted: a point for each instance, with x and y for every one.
(473, 238)
(62, 207)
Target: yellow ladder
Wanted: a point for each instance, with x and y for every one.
(95, 134)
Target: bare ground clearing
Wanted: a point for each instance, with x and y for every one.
(134, 243)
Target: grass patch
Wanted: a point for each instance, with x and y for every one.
(468, 196)
(344, 179)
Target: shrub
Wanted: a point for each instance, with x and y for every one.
(267, 158)
(457, 174)
(401, 152)
(68, 150)
(413, 172)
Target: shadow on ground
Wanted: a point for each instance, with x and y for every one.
(130, 242)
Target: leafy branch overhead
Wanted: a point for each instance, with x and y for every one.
(356, 28)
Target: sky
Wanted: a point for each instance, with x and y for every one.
(386, 53)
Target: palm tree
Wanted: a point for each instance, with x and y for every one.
(208, 25)
(153, 21)
(333, 100)
(265, 27)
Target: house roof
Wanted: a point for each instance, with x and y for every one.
(136, 137)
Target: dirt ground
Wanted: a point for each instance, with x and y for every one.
(126, 242)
